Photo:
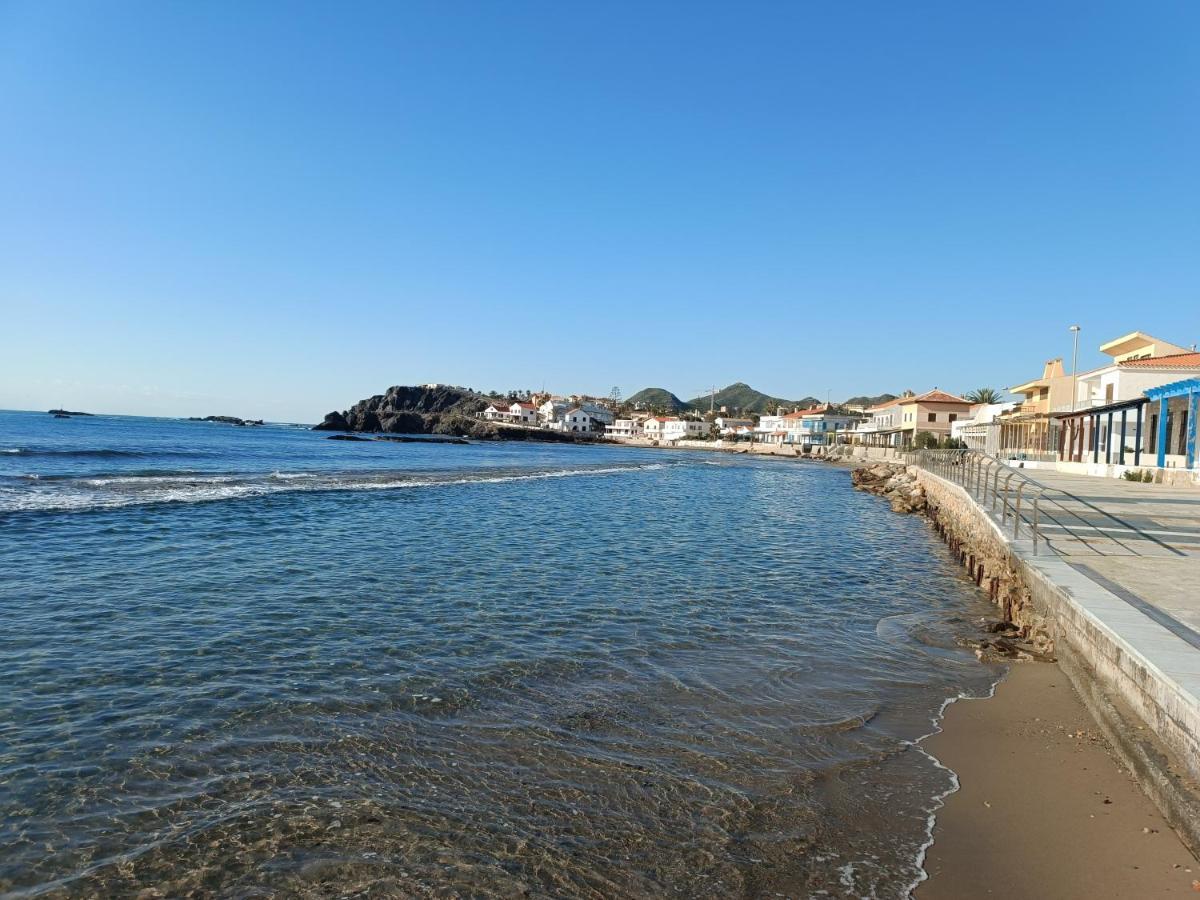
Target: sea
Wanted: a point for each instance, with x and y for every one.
(255, 662)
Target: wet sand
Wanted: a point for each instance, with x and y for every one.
(1044, 808)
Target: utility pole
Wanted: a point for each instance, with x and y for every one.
(1074, 367)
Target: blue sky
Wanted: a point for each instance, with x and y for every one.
(276, 209)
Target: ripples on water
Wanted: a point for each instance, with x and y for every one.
(532, 671)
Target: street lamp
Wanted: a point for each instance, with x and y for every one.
(1074, 366)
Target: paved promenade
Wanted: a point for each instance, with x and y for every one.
(1140, 541)
(1122, 587)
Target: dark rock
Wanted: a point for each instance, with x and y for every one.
(334, 421)
(61, 416)
(346, 437)
(67, 413)
(999, 626)
(441, 410)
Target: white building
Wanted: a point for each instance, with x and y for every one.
(673, 428)
(552, 410)
(1130, 378)
(601, 414)
(625, 428)
(817, 426)
(517, 413)
(727, 426)
(578, 419)
(982, 430)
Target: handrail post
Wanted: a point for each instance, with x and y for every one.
(1004, 501)
(1017, 510)
(1035, 526)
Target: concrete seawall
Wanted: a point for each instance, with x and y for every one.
(1140, 680)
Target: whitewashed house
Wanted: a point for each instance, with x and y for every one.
(727, 426)
(552, 411)
(625, 428)
(517, 413)
(580, 420)
(673, 428)
(601, 414)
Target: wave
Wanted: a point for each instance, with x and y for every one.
(106, 492)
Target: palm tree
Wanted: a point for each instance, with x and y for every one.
(984, 395)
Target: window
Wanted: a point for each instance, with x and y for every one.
(1153, 433)
(1182, 447)
(953, 417)
(933, 417)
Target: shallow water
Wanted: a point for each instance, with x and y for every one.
(254, 661)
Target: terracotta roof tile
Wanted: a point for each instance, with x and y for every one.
(1171, 361)
(935, 396)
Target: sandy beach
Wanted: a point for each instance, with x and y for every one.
(1044, 808)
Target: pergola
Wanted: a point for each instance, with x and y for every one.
(1189, 388)
(1080, 434)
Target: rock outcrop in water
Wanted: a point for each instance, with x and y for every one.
(66, 413)
(406, 410)
(440, 410)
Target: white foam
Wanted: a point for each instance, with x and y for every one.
(128, 490)
(940, 799)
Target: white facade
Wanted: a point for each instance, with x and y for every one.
(728, 422)
(625, 428)
(601, 414)
(578, 420)
(672, 428)
(1118, 383)
(552, 410)
(980, 431)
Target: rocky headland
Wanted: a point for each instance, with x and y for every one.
(440, 410)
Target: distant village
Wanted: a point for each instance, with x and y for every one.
(1139, 409)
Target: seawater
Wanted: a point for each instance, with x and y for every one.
(253, 661)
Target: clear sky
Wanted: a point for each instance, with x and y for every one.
(275, 209)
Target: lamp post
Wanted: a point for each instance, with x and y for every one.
(1074, 366)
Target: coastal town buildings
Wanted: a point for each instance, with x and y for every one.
(1128, 408)
(553, 409)
(728, 425)
(673, 428)
(625, 428)
(519, 413)
(933, 412)
(881, 428)
(978, 431)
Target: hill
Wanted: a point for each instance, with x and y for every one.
(740, 397)
(656, 399)
(868, 401)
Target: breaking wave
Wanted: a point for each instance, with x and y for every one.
(111, 491)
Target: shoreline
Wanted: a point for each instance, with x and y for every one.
(1032, 767)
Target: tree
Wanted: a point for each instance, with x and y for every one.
(984, 395)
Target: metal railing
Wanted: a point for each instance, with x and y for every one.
(1004, 492)
(1018, 502)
